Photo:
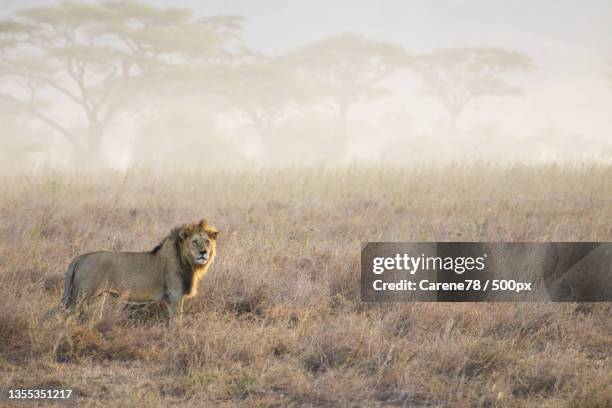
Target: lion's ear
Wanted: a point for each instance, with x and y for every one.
(212, 232)
(184, 233)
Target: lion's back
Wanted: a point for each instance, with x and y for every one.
(133, 271)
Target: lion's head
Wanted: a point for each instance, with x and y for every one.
(197, 243)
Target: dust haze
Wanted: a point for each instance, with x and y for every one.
(301, 130)
(183, 85)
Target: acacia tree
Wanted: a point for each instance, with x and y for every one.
(348, 69)
(93, 58)
(457, 76)
(261, 89)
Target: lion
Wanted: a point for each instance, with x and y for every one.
(169, 273)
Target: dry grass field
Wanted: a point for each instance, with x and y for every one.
(278, 321)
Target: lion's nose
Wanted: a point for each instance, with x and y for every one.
(203, 252)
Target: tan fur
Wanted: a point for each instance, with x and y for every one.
(168, 273)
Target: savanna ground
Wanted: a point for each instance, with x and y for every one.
(278, 321)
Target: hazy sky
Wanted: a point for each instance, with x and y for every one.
(569, 41)
(277, 25)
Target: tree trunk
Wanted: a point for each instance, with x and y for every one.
(264, 132)
(341, 135)
(91, 154)
(454, 115)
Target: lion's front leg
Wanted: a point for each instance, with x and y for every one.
(175, 311)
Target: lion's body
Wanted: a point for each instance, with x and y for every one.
(168, 274)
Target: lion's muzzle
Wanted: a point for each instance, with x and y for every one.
(202, 258)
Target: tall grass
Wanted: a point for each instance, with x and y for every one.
(278, 321)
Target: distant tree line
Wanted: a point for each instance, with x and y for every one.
(115, 57)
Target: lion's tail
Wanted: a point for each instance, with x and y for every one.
(68, 285)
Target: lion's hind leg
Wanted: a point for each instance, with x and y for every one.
(79, 303)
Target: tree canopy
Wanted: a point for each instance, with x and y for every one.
(457, 76)
(347, 69)
(97, 57)
(261, 89)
